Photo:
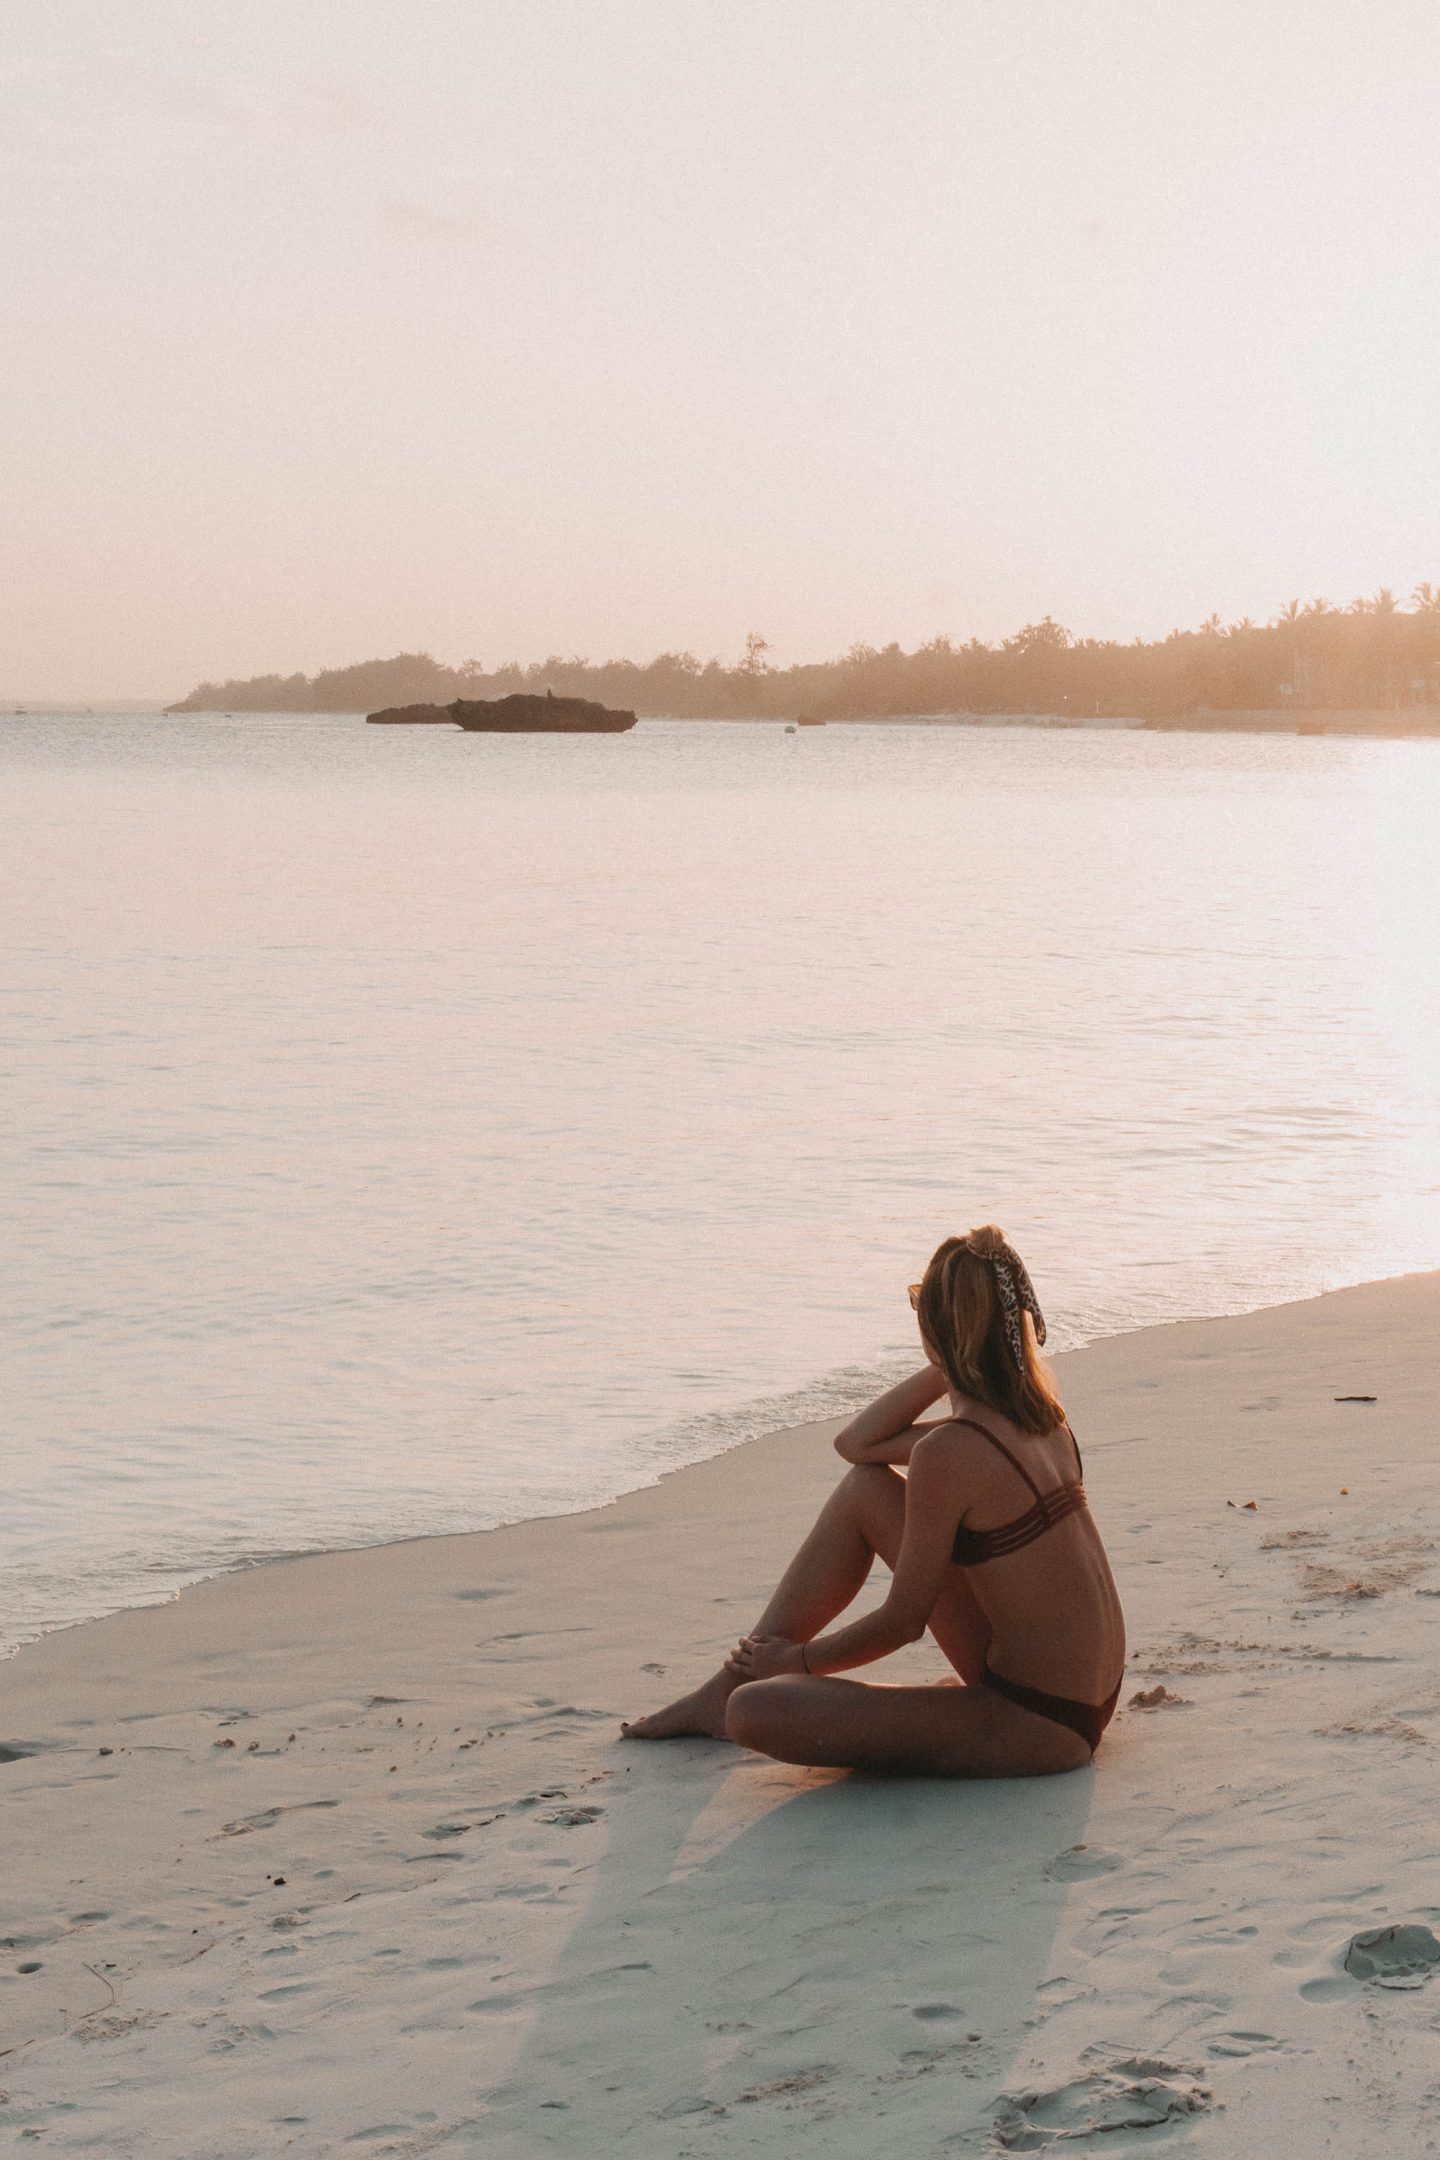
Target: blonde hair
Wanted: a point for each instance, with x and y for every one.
(963, 1318)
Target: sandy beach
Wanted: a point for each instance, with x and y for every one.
(344, 1850)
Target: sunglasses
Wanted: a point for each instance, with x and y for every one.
(914, 1297)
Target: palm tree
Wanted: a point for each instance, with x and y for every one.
(1319, 614)
(1377, 663)
(1426, 636)
(1289, 619)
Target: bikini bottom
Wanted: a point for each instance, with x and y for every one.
(1087, 1719)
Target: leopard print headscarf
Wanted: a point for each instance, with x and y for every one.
(1016, 1291)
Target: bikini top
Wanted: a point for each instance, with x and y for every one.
(974, 1546)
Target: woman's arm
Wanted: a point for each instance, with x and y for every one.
(885, 1431)
(932, 1509)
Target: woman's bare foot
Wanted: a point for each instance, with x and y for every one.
(702, 1712)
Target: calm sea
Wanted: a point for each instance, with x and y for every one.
(411, 1131)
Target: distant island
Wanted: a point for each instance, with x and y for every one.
(518, 715)
(1373, 667)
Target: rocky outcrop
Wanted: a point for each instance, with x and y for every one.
(548, 715)
(519, 715)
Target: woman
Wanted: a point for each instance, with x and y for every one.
(991, 1545)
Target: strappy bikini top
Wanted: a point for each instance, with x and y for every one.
(973, 1546)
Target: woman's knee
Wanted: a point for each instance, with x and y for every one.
(874, 1489)
(874, 1495)
(872, 1477)
(756, 1712)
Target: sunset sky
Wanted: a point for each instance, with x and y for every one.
(335, 327)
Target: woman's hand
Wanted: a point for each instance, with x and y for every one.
(763, 1657)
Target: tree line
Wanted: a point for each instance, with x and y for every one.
(1374, 653)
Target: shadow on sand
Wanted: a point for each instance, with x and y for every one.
(856, 1958)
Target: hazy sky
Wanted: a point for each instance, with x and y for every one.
(332, 327)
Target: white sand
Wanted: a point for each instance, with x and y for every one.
(501, 1931)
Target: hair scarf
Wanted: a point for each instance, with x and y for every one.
(1017, 1294)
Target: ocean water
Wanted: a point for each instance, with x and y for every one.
(409, 1131)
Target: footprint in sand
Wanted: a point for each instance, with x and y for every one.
(1244, 2043)
(1393, 1957)
(235, 2036)
(114, 2028)
(1328, 1988)
(268, 1817)
(1383, 1728)
(1081, 1862)
(788, 2089)
(1134, 2093)
(1334, 1584)
(576, 1817)
(537, 1634)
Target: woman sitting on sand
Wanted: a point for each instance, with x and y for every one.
(991, 1546)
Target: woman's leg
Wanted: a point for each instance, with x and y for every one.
(968, 1732)
(869, 1504)
(864, 1516)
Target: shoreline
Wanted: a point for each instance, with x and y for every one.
(343, 1846)
(1341, 723)
(248, 1563)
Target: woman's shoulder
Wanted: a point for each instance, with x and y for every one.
(984, 1433)
(981, 1423)
(1003, 1428)
(961, 1437)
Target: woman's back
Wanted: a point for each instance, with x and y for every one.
(1034, 1561)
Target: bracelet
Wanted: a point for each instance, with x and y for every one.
(804, 1660)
